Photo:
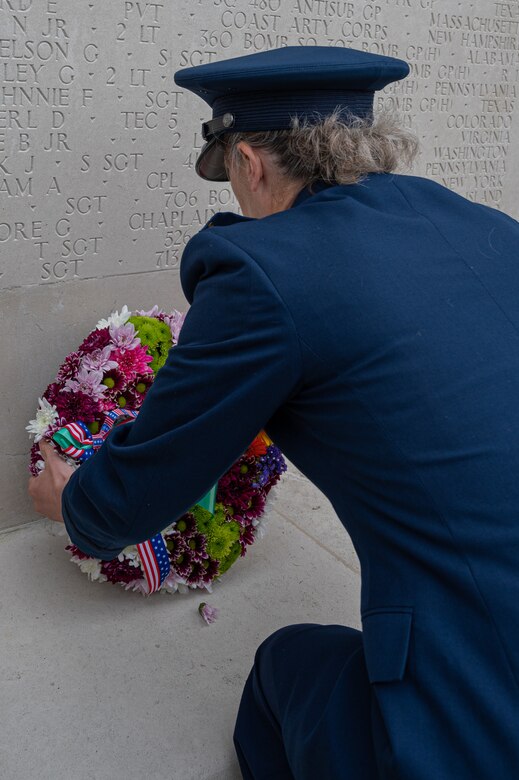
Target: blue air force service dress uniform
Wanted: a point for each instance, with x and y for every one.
(373, 330)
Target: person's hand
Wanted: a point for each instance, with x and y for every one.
(46, 489)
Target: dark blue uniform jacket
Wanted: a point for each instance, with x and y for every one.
(372, 329)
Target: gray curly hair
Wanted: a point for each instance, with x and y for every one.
(337, 150)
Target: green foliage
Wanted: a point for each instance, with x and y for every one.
(221, 533)
(202, 518)
(156, 336)
(234, 554)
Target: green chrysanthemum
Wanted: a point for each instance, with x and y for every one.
(221, 533)
(156, 337)
(234, 554)
(202, 517)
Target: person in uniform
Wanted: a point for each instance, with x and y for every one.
(369, 321)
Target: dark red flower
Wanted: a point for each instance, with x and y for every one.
(247, 537)
(35, 457)
(52, 392)
(77, 552)
(69, 367)
(77, 406)
(211, 570)
(95, 340)
(135, 392)
(196, 575)
(197, 544)
(120, 571)
(186, 525)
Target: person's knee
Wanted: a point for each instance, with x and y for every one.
(280, 640)
(279, 651)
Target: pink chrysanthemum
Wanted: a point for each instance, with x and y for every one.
(175, 322)
(208, 612)
(87, 382)
(132, 362)
(124, 337)
(99, 360)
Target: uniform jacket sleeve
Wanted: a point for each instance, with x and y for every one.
(236, 362)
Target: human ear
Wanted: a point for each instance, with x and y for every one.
(252, 165)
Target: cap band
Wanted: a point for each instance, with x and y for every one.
(217, 126)
(255, 111)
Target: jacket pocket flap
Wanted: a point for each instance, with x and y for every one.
(385, 634)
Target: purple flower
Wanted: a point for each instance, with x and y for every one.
(269, 466)
(87, 382)
(123, 336)
(175, 322)
(99, 360)
(155, 312)
(208, 613)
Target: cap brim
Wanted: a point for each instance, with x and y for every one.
(210, 164)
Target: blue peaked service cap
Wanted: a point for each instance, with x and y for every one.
(264, 91)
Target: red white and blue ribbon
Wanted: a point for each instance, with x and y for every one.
(112, 418)
(76, 441)
(155, 561)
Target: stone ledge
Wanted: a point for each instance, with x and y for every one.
(102, 683)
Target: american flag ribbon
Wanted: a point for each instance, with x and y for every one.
(112, 419)
(76, 441)
(155, 561)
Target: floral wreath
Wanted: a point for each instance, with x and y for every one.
(103, 384)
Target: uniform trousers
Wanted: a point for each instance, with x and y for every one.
(305, 712)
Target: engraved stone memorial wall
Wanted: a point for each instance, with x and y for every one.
(98, 193)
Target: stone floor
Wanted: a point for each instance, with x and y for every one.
(98, 683)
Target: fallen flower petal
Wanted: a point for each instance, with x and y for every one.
(208, 612)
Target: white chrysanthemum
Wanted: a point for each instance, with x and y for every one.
(46, 416)
(261, 527)
(92, 567)
(116, 318)
(130, 555)
(140, 586)
(169, 588)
